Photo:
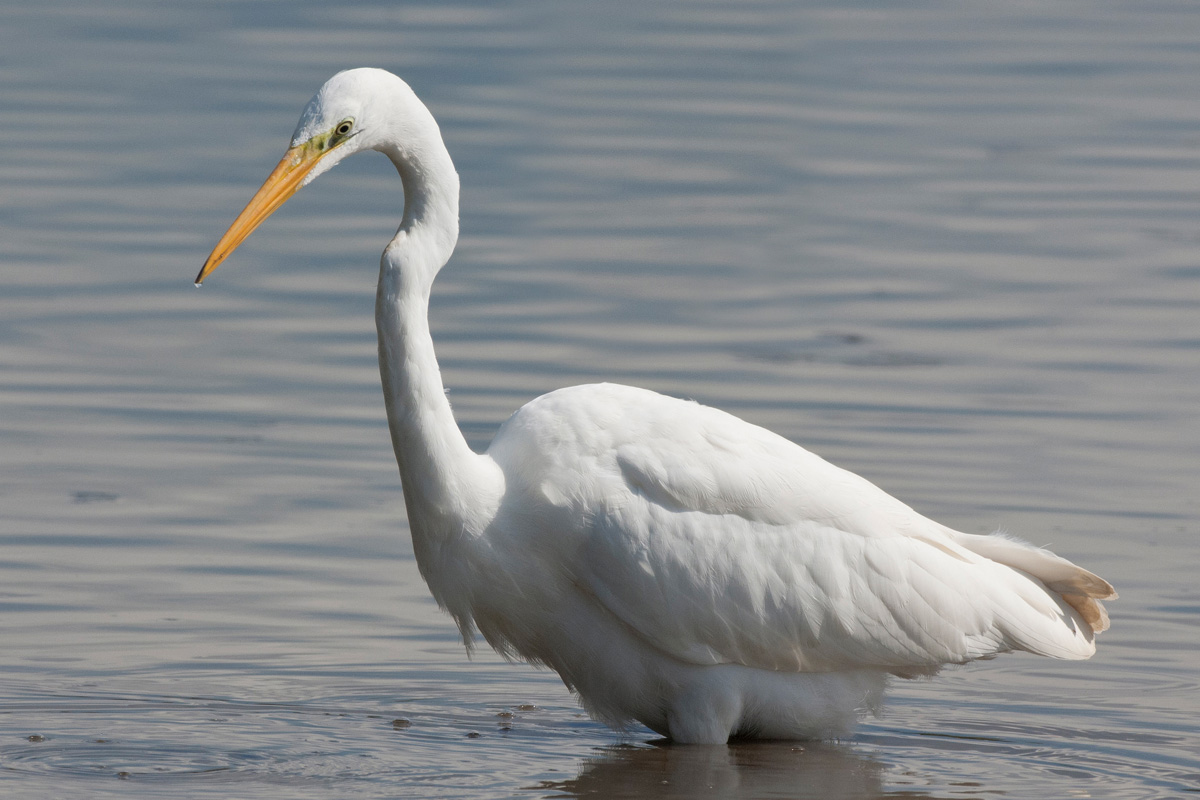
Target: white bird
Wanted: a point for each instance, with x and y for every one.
(674, 564)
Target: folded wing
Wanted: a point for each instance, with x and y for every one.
(729, 544)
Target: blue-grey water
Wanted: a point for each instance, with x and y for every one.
(953, 246)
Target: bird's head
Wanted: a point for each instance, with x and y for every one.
(351, 112)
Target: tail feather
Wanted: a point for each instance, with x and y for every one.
(1080, 589)
(1091, 609)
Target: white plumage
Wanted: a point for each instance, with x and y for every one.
(674, 564)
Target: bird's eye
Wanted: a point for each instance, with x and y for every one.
(344, 127)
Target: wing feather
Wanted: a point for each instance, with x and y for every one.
(720, 542)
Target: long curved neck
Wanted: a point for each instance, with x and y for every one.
(449, 490)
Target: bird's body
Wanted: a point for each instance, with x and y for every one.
(674, 564)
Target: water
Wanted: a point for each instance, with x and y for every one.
(952, 246)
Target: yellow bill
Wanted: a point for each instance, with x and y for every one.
(282, 183)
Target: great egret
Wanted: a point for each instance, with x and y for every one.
(675, 565)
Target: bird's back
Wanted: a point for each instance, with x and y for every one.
(720, 542)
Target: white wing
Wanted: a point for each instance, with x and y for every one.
(720, 542)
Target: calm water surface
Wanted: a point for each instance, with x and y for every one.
(953, 246)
